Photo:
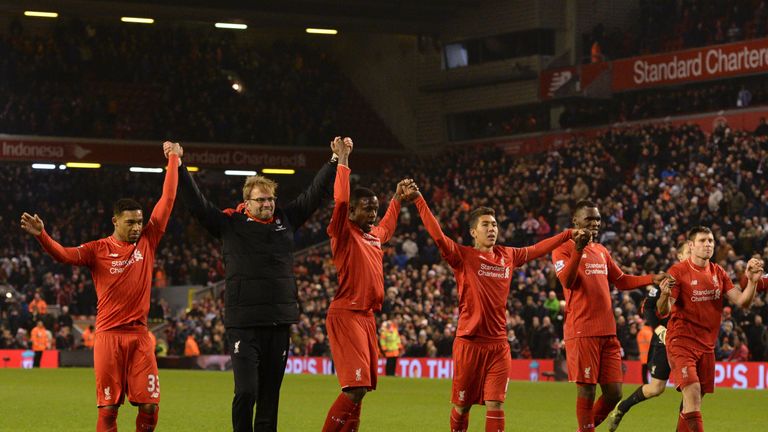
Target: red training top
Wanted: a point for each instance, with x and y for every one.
(588, 307)
(357, 254)
(483, 278)
(122, 272)
(698, 307)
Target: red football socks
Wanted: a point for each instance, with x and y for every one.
(584, 414)
(107, 421)
(494, 421)
(353, 421)
(459, 422)
(601, 410)
(339, 413)
(694, 421)
(146, 422)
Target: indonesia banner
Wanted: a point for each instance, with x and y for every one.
(743, 375)
(707, 63)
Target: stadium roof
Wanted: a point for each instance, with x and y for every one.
(390, 16)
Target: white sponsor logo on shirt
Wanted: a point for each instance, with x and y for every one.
(358, 374)
(120, 266)
(114, 255)
(237, 347)
(107, 393)
(462, 394)
(694, 282)
(559, 265)
(595, 269)
(587, 372)
(493, 271)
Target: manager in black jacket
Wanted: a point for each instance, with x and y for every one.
(261, 300)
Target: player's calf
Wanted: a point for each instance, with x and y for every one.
(107, 421)
(146, 418)
(494, 416)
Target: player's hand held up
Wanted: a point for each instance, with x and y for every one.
(581, 237)
(754, 270)
(410, 190)
(32, 224)
(658, 278)
(342, 148)
(172, 148)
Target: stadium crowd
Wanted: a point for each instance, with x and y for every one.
(91, 79)
(663, 26)
(651, 182)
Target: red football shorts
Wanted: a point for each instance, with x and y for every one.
(124, 362)
(593, 360)
(354, 347)
(690, 365)
(480, 371)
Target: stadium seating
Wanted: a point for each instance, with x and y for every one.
(651, 182)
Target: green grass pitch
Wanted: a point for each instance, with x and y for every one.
(63, 400)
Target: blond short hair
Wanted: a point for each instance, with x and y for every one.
(260, 182)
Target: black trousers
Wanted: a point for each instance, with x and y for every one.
(38, 357)
(258, 357)
(391, 366)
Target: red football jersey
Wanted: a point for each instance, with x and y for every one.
(122, 272)
(698, 307)
(483, 278)
(357, 255)
(588, 307)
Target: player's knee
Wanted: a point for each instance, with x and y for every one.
(586, 391)
(148, 408)
(356, 394)
(461, 409)
(655, 389)
(494, 405)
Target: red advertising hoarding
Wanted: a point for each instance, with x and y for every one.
(25, 359)
(707, 63)
(750, 375)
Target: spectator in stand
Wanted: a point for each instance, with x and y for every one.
(740, 351)
(744, 98)
(38, 307)
(64, 340)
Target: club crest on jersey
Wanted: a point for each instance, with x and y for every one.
(715, 281)
(107, 393)
(587, 372)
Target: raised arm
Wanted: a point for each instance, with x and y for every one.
(203, 210)
(386, 227)
(80, 256)
(318, 192)
(162, 211)
(340, 214)
(448, 248)
(744, 298)
(530, 253)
